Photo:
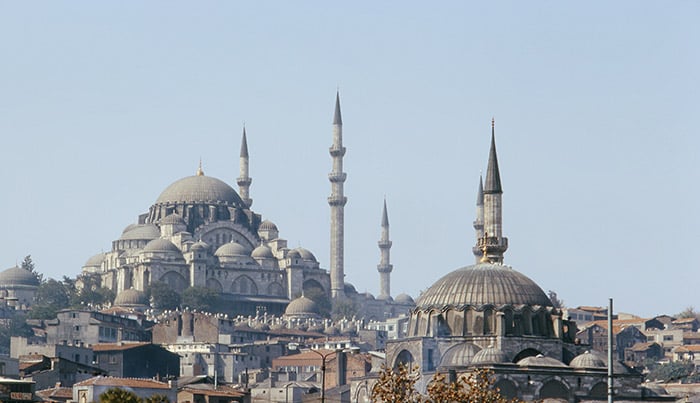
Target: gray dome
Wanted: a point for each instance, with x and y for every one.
(160, 245)
(306, 254)
(293, 254)
(588, 360)
(483, 284)
(302, 306)
(129, 228)
(201, 245)
(141, 232)
(172, 219)
(131, 297)
(267, 225)
(198, 189)
(540, 361)
(490, 355)
(404, 299)
(95, 261)
(18, 276)
(262, 252)
(460, 355)
(231, 249)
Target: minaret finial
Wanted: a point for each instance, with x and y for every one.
(337, 118)
(200, 171)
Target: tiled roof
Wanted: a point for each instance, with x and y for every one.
(693, 348)
(117, 346)
(304, 356)
(684, 320)
(124, 382)
(60, 393)
(221, 390)
(691, 336)
(642, 346)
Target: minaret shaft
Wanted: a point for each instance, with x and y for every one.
(337, 202)
(384, 267)
(492, 242)
(244, 180)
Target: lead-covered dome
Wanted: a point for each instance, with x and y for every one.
(483, 284)
(200, 189)
(131, 298)
(17, 276)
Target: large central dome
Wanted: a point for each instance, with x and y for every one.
(200, 189)
(483, 284)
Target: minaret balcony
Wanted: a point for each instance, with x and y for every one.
(337, 151)
(244, 181)
(385, 268)
(384, 244)
(337, 201)
(336, 177)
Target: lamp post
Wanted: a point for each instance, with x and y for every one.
(323, 370)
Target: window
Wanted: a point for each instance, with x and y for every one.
(668, 337)
(112, 359)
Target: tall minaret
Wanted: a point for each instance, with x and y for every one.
(384, 267)
(337, 202)
(492, 241)
(479, 222)
(244, 180)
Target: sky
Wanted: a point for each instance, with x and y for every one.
(104, 104)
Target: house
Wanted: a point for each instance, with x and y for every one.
(687, 353)
(85, 328)
(49, 371)
(137, 360)
(666, 338)
(636, 355)
(57, 394)
(15, 390)
(90, 390)
(687, 324)
(595, 334)
(309, 366)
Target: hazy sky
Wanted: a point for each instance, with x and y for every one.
(104, 104)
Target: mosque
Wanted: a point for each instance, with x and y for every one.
(201, 232)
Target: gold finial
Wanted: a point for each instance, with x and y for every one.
(484, 249)
(200, 172)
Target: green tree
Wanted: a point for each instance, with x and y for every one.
(51, 297)
(673, 371)
(28, 264)
(116, 395)
(15, 325)
(200, 298)
(156, 399)
(91, 291)
(162, 296)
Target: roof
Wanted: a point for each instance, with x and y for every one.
(124, 382)
(200, 189)
(643, 346)
(18, 276)
(208, 390)
(312, 355)
(493, 175)
(693, 348)
(118, 346)
(60, 394)
(684, 320)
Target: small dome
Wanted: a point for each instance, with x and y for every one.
(18, 276)
(588, 360)
(131, 297)
(540, 361)
(142, 231)
(483, 284)
(231, 249)
(267, 225)
(490, 355)
(302, 306)
(200, 246)
(160, 245)
(460, 355)
(293, 254)
(262, 252)
(172, 219)
(95, 261)
(198, 189)
(404, 299)
(306, 254)
(369, 295)
(129, 228)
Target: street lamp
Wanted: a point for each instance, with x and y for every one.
(324, 356)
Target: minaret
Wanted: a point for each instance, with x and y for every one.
(384, 267)
(479, 222)
(492, 241)
(337, 202)
(244, 180)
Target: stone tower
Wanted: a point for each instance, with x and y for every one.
(492, 242)
(479, 221)
(384, 267)
(337, 202)
(244, 180)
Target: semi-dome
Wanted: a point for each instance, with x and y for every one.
(483, 284)
(490, 355)
(460, 355)
(141, 232)
(18, 276)
(198, 189)
(231, 249)
(306, 254)
(302, 306)
(262, 252)
(172, 219)
(131, 297)
(160, 245)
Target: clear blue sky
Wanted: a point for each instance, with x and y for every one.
(104, 104)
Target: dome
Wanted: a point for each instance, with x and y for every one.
(201, 245)
(131, 297)
(588, 360)
(95, 261)
(141, 231)
(490, 355)
(404, 299)
(460, 355)
(231, 249)
(262, 252)
(18, 276)
(267, 225)
(200, 188)
(293, 254)
(129, 228)
(172, 219)
(160, 245)
(302, 306)
(540, 361)
(483, 284)
(306, 254)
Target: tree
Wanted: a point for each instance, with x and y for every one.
(51, 297)
(322, 301)
(156, 399)
(343, 308)
(673, 371)
(116, 395)
(556, 302)
(200, 298)
(687, 313)
(162, 296)
(396, 385)
(28, 264)
(92, 292)
(15, 325)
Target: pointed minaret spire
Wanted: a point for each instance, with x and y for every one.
(491, 240)
(479, 221)
(244, 180)
(384, 267)
(337, 202)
